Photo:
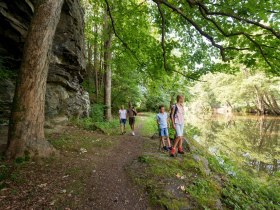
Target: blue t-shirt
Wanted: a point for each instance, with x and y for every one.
(162, 119)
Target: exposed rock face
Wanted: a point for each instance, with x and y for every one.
(64, 96)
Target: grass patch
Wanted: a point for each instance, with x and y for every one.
(106, 127)
(149, 126)
(74, 142)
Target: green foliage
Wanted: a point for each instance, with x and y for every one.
(96, 112)
(239, 92)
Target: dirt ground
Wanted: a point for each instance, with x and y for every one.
(92, 178)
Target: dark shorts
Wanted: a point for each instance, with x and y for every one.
(131, 120)
(123, 121)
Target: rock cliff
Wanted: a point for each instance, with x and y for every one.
(65, 96)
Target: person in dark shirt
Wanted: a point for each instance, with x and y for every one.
(131, 112)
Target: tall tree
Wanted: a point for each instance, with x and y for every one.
(26, 131)
(108, 35)
(95, 64)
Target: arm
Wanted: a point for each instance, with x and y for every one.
(134, 110)
(158, 123)
(172, 117)
(168, 122)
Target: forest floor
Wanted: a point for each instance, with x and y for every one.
(90, 173)
(118, 172)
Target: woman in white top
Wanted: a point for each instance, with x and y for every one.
(123, 116)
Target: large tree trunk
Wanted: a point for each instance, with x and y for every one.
(107, 69)
(26, 131)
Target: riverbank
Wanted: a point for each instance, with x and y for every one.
(200, 180)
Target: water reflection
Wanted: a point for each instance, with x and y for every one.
(251, 140)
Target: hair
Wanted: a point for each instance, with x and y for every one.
(160, 106)
(178, 97)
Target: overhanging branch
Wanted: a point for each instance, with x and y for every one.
(226, 14)
(162, 35)
(117, 35)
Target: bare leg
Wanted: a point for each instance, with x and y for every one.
(181, 143)
(176, 141)
(162, 140)
(168, 142)
(121, 127)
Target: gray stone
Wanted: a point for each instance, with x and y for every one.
(64, 95)
(7, 88)
(204, 162)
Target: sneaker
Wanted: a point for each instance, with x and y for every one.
(172, 152)
(133, 134)
(180, 150)
(165, 148)
(170, 148)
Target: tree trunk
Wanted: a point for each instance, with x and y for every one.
(95, 64)
(259, 102)
(107, 69)
(26, 131)
(89, 67)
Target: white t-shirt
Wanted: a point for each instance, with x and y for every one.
(122, 113)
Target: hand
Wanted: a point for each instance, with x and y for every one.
(174, 126)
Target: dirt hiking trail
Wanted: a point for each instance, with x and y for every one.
(89, 174)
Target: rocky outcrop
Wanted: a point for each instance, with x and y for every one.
(64, 96)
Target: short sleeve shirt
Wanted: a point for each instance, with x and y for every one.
(179, 118)
(162, 119)
(122, 114)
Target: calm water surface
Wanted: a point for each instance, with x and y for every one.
(252, 141)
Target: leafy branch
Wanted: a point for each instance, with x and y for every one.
(117, 35)
(205, 12)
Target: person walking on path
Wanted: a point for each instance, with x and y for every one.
(131, 112)
(177, 117)
(163, 123)
(123, 117)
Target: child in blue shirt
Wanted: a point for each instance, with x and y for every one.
(163, 123)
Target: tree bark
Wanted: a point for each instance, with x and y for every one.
(26, 131)
(95, 64)
(107, 69)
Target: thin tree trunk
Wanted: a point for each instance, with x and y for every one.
(90, 67)
(101, 70)
(95, 64)
(26, 131)
(107, 69)
(260, 102)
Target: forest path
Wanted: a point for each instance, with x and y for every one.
(90, 173)
(110, 186)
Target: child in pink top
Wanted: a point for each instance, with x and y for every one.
(177, 117)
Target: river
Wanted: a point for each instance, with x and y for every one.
(251, 141)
